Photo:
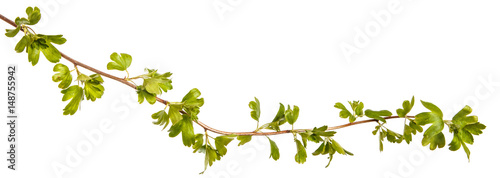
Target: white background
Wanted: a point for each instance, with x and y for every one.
(279, 51)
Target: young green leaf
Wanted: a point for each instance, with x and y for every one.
(463, 127)
(174, 114)
(410, 129)
(393, 137)
(12, 32)
(337, 147)
(435, 117)
(435, 141)
(270, 126)
(191, 98)
(34, 15)
(119, 61)
(292, 115)
(221, 142)
(378, 115)
(198, 142)
(407, 106)
(75, 93)
(161, 118)
(244, 139)
(56, 39)
(280, 116)
(255, 106)
(93, 88)
(186, 127)
(344, 113)
(33, 50)
(301, 155)
(155, 83)
(142, 93)
(19, 21)
(51, 53)
(275, 152)
(382, 135)
(22, 44)
(210, 157)
(278, 120)
(64, 76)
(305, 136)
(358, 110)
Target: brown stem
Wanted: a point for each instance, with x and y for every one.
(201, 124)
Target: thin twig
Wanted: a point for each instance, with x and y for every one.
(201, 124)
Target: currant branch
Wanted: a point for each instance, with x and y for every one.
(183, 114)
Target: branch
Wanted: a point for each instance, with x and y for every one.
(201, 124)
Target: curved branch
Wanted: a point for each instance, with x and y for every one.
(201, 124)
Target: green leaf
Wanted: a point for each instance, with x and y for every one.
(12, 32)
(435, 141)
(410, 130)
(255, 106)
(244, 139)
(221, 142)
(359, 109)
(461, 119)
(394, 137)
(467, 151)
(155, 83)
(280, 116)
(433, 133)
(186, 127)
(83, 78)
(22, 44)
(120, 61)
(305, 136)
(174, 114)
(191, 98)
(51, 53)
(161, 118)
(378, 115)
(142, 93)
(337, 147)
(64, 76)
(211, 156)
(278, 120)
(19, 21)
(455, 143)
(381, 139)
(56, 39)
(475, 129)
(198, 143)
(33, 53)
(301, 155)
(75, 93)
(319, 150)
(270, 126)
(344, 113)
(93, 88)
(407, 106)
(275, 152)
(321, 132)
(34, 15)
(292, 115)
(463, 127)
